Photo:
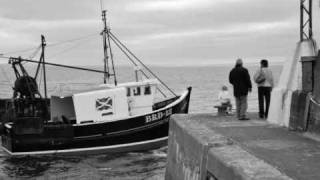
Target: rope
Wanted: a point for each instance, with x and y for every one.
(313, 100)
(141, 63)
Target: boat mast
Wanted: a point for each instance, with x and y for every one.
(43, 44)
(42, 61)
(107, 51)
(111, 58)
(105, 48)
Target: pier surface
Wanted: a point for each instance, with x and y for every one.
(208, 147)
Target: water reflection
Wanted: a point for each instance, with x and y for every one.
(149, 165)
(28, 166)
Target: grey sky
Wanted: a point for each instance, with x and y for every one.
(165, 32)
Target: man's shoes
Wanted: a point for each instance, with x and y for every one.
(244, 119)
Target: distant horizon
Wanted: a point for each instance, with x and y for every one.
(196, 63)
(249, 63)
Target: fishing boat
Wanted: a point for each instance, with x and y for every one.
(110, 117)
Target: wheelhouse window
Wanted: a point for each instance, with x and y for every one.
(147, 90)
(128, 92)
(136, 91)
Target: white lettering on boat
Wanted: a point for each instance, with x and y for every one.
(158, 115)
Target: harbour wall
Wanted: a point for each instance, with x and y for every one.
(290, 81)
(209, 147)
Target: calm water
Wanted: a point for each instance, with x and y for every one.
(150, 165)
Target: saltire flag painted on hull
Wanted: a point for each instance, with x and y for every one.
(104, 104)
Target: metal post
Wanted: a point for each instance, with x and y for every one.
(305, 20)
(43, 44)
(310, 19)
(301, 19)
(105, 47)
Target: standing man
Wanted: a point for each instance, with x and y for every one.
(240, 79)
(264, 79)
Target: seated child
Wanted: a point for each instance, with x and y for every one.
(225, 98)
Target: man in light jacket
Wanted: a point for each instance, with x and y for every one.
(264, 88)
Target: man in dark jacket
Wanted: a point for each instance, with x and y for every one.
(240, 79)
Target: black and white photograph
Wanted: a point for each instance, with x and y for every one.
(160, 89)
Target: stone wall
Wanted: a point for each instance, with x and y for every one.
(305, 109)
(314, 116)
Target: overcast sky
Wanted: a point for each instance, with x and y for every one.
(161, 32)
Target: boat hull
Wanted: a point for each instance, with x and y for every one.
(128, 147)
(147, 131)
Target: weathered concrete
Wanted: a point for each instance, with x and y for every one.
(188, 143)
(224, 148)
(299, 111)
(314, 120)
(307, 73)
(289, 81)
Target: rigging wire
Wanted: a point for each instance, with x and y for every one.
(135, 64)
(59, 65)
(72, 40)
(68, 49)
(111, 58)
(40, 78)
(120, 45)
(51, 45)
(35, 52)
(113, 37)
(21, 51)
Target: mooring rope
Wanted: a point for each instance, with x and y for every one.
(313, 100)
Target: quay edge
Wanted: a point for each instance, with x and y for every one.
(208, 147)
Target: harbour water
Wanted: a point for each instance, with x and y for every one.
(149, 165)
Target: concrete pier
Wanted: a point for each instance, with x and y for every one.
(208, 147)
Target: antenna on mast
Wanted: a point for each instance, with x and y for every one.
(101, 5)
(107, 51)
